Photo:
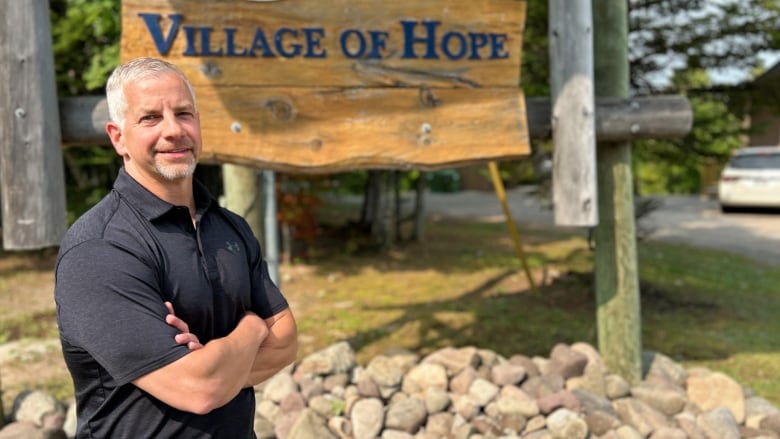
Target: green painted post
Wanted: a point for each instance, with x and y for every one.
(617, 283)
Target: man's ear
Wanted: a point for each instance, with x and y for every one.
(115, 135)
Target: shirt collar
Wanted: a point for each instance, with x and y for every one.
(149, 204)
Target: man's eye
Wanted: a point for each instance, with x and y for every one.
(149, 117)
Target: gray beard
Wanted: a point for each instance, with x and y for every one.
(176, 172)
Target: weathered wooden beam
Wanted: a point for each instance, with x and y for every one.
(31, 168)
(617, 120)
(83, 119)
(573, 114)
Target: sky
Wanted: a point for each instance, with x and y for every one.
(681, 21)
(736, 76)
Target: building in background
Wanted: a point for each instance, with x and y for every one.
(765, 119)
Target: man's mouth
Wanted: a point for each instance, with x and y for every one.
(175, 151)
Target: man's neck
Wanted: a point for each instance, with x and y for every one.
(178, 192)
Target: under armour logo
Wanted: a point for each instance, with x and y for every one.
(233, 247)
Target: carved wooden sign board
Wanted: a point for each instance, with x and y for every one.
(324, 86)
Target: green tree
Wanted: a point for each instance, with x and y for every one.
(678, 35)
(683, 40)
(673, 44)
(677, 166)
(85, 36)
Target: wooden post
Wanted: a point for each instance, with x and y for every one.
(617, 279)
(31, 169)
(419, 207)
(573, 113)
(253, 196)
(271, 248)
(241, 185)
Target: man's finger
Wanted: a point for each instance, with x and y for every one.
(177, 323)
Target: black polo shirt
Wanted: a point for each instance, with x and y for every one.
(117, 264)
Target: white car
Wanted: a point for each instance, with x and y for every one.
(751, 178)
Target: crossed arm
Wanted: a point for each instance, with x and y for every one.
(213, 374)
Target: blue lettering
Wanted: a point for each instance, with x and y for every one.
(478, 41)
(313, 36)
(378, 39)
(361, 43)
(231, 43)
(189, 33)
(429, 40)
(261, 43)
(278, 40)
(420, 40)
(205, 43)
(462, 48)
(163, 44)
(497, 44)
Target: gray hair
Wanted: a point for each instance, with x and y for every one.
(134, 70)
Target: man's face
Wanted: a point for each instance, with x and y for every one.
(161, 139)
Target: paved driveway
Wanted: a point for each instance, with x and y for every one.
(688, 219)
(698, 221)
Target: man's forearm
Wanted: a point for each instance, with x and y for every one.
(277, 351)
(269, 361)
(226, 366)
(211, 376)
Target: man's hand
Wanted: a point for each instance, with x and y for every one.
(185, 336)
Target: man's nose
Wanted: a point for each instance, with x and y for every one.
(172, 126)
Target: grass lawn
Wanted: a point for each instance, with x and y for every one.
(463, 284)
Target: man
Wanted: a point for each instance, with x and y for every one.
(166, 312)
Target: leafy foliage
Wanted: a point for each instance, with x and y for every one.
(672, 46)
(86, 43)
(85, 37)
(669, 36)
(678, 166)
(535, 68)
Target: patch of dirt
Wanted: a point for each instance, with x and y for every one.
(26, 283)
(30, 355)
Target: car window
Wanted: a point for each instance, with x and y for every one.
(756, 161)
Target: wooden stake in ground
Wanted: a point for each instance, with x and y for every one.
(501, 194)
(617, 278)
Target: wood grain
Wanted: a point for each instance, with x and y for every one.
(305, 129)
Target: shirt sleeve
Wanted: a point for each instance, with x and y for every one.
(267, 298)
(109, 304)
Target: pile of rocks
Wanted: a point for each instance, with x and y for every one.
(473, 393)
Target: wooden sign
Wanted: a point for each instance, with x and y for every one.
(314, 86)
